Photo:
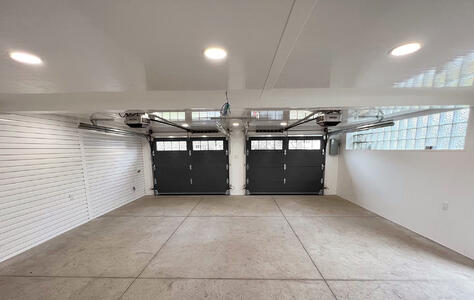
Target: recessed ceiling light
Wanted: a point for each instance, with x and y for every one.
(405, 49)
(185, 125)
(26, 58)
(235, 124)
(204, 136)
(283, 123)
(215, 53)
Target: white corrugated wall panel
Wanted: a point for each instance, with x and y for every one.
(42, 190)
(54, 177)
(114, 170)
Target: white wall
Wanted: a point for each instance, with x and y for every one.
(330, 174)
(113, 167)
(410, 187)
(54, 177)
(237, 162)
(147, 168)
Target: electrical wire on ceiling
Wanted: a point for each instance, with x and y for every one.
(225, 108)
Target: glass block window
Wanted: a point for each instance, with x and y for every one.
(266, 145)
(459, 72)
(204, 115)
(172, 115)
(304, 145)
(443, 131)
(267, 114)
(208, 145)
(171, 146)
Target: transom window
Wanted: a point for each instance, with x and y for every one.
(304, 145)
(171, 146)
(172, 115)
(299, 114)
(443, 131)
(204, 115)
(267, 114)
(266, 145)
(208, 145)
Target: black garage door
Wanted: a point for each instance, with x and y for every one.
(285, 165)
(191, 166)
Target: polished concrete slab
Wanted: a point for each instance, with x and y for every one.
(106, 246)
(227, 289)
(162, 206)
(319, 206)
(374, 248)
(400, 290)
(224, 247)
(233, 247)
(52, 288)
(257, 206)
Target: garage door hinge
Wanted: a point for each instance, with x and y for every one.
(153, 153)
(284, 180)
(227, 180)
(322, 167)
(322, 180)
(227, 166)
(191, 181)
(155, 181)
(226, 152)
(189, 152)
(190, 167)
(154, 168)
(247, 152)
(323, 151)
(247, 166)
(247, 181)
(284, 152)
(284, 166)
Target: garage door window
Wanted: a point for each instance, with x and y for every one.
(171, 146)
(304, 145)
(208, 145)
(266, 145)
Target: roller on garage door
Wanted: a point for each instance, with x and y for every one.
(285, 165)
(190, 166)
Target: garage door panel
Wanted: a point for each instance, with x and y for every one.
(295, 168)
(184, 167)
(171, 165)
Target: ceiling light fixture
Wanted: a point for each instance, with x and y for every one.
(215, 53)
(235, 124)
(26, 58)
(283, 123)
(405, 49)
(185, 125)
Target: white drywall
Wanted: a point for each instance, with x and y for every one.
(54, 177)
(410, 187)
(330, 174)
(147, 167)
(237, 161)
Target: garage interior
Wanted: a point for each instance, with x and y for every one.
(290, 149)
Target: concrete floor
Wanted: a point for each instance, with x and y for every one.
(222, 247)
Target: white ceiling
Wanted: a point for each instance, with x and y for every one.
(149, 45)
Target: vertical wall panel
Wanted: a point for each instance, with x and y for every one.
(54, 177)
(114, 168)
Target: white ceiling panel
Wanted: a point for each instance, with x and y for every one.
(346, 42)
(119, 45)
